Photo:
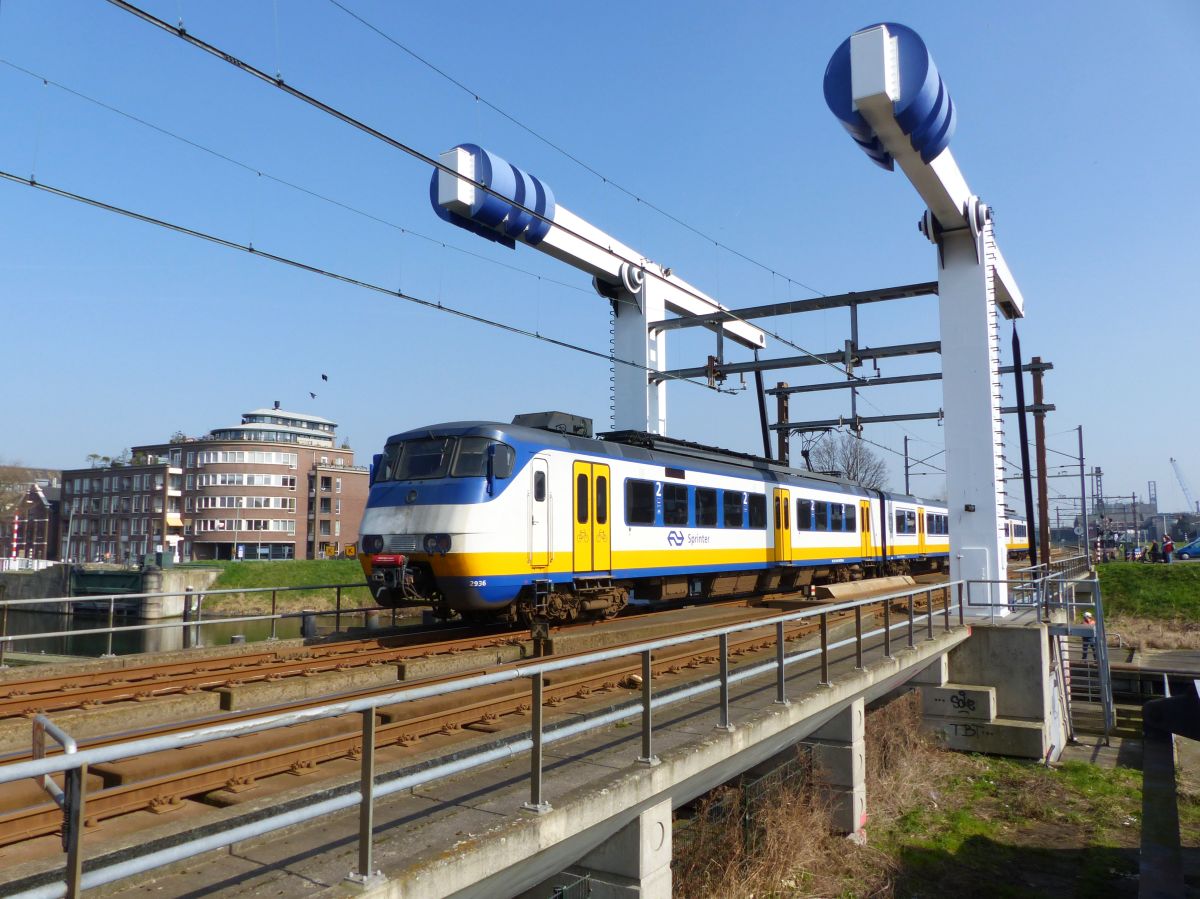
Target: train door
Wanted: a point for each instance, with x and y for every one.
(539, 514)
(783, 525)
(593, 550)
(920, 531)
(864, 527)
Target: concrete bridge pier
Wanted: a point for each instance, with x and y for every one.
(634, 863)
(998, 693)
(839, 754)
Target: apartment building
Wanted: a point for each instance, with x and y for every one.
(275, 486)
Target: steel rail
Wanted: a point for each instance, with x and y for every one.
(385, 786)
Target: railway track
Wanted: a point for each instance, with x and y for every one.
(165, 782)
(26, 697)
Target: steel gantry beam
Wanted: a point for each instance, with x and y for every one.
(835, 358)
(789, 307)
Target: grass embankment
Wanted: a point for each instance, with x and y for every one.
(1152, 606)
(289, 573)
(940, 823)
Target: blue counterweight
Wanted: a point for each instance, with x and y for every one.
(923, 109)
(501, 218)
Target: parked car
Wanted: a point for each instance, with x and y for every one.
(1189, 550)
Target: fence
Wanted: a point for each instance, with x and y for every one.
(19, 564)
(193, 609)
(73, 801)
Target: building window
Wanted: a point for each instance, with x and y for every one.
(338, 485)
(326, 484)
(324, 529)
(337, 507)
(337, 529)
(325, 504)
(191, 459)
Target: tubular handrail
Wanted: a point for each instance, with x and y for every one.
(370, 789)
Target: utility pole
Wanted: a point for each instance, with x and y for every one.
(1039, 439)
(1083, 515)
(907, 491)
(781, 411)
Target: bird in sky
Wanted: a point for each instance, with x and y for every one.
(324, 377)
(313, 395)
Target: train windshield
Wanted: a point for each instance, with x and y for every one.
(437, 457)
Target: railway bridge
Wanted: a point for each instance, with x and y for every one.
(538, 794)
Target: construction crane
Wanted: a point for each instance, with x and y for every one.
(1193, 506)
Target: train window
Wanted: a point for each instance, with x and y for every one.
(539, 486)
(601, 499)
(471, 461)
(852, 518)
(1020, 530)
(581, 498)
(822, 513)
(910, 522)
(428, 458)
(734, 505)
(391, 458)
(675, 504)
(639, 502)
(706, 508)
(837, 517)
(804, 514)
(758, 511)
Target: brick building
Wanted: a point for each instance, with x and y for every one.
(276, 486)
(29, 513)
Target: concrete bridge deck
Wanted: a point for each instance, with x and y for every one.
(469, 836)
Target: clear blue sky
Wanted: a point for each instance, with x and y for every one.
(1076, 122)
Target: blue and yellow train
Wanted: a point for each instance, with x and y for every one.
(538, 518)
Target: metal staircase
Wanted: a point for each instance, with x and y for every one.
(1081, 655)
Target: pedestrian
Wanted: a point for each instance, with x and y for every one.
(1154, 551)
(1168, 547)
(1089, 639)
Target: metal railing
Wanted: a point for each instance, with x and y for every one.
(370, 787)
(193, 611)
(20, 563)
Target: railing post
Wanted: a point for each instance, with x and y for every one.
(723, 721)
(337, 618)
(887, 629)
(74, 798)
(536, 803)
(274, 620)
(961, 611)
(647, 757)
(366, 808)
(929, 611)
(946, 608)
(780, 666)
(858, 638)
(112, 604)
(911, 622)
(3, 625)
(824, 649)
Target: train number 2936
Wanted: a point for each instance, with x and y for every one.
(478, 582)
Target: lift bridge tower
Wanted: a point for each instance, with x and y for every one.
(884, 88)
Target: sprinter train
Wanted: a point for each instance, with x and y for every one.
(537, 518)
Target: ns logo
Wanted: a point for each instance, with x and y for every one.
(675, 538)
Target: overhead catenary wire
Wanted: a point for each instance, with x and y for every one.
(327, 273)
(558, 148)
(283, 182)
(413, 152)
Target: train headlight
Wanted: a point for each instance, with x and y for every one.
(372, 543)
(437, 543)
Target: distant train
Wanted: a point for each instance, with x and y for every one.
(538, 518)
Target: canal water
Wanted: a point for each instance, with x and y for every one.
(161, 639)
